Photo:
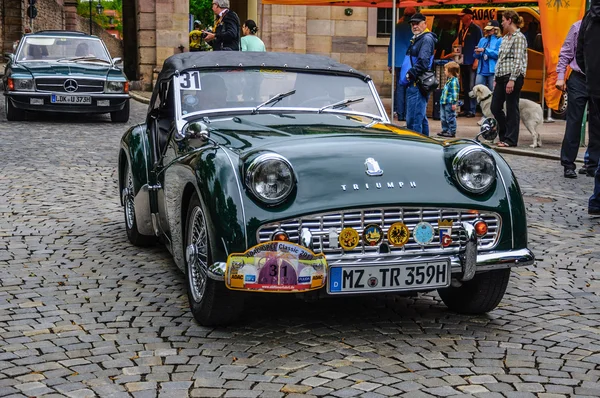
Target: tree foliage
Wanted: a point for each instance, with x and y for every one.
(202, 11)
(83, 9)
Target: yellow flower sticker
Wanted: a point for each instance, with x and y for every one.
(349, 238)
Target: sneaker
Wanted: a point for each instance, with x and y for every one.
(470, 114)
(583, 170)
(593, 211)
(570, 173)
(446, 134)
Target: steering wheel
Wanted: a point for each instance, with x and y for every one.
(317, 101)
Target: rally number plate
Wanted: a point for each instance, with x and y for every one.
(71, 99)
(406, 276)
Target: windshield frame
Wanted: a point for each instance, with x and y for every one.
(183, 118)
(22, 43)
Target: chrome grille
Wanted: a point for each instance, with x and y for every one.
(320, 225)
(56, 85)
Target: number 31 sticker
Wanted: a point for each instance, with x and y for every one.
(190, 80)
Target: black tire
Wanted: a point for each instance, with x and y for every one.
(561, 112)
(481, 294)
(121, 116)
(12, 114)
(211, 303)
(133, 234)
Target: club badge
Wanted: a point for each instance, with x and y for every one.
(423, 233)
(398, 234)
(348, 238)
(445, 232)
(372, 235)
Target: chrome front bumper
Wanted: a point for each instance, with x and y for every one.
(461, 267)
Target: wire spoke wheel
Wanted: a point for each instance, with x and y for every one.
(198, 237)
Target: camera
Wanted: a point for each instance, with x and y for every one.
(205, 32)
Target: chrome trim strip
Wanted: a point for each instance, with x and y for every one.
(378, 101)
(237, 181)
(510, 210)
(72, 76)
(84, 94)
(273, 111)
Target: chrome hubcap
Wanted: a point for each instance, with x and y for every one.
(197, 254)
(128, 200)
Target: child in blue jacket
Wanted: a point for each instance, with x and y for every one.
(449, 100)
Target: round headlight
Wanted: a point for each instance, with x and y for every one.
(270, 178)
(475, 169)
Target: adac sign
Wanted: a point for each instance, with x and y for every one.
(484, 14)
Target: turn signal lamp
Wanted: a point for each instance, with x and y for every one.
(280, 236)
(481, 228)
(126, 87)
(11, 84)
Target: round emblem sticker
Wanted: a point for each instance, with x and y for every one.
(348, 238)
(423, 233)
(398, 234)
(372, 235)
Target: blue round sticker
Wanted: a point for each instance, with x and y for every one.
(423, 233)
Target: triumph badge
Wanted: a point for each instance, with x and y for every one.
(372, 167)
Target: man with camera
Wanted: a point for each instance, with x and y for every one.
(226, 31)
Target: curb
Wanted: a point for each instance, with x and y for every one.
(533, 154)
(139, 98)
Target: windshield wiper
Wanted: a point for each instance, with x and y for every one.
(273, 100)
(86, 58)
(341, 104)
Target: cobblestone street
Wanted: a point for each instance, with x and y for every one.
(83, 313)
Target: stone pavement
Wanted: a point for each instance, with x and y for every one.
(83, 313)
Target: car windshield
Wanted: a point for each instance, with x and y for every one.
(38, 48)
(211, 90)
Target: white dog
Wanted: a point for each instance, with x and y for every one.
(532, 114)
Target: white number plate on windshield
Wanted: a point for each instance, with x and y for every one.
(71, 99)
(406, 276)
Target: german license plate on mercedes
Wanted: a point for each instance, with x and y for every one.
(71, 99)
(405, 276)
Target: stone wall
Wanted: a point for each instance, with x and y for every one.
(12, 26)
(327, 31)
(114, 45)
(50, 16)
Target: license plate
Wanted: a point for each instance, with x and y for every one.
(406, 276)
(71, 99)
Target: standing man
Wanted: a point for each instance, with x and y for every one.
(196, 37)
(576, 87)
(510, 75)
(226, 31)
(403, 36)
(468, 38)
(588, 59)
(419, 59)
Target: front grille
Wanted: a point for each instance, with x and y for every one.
(321, 224)
(56, 85)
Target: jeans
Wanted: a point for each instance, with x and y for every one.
(578, 98)
(416, 105)
(400, 101)
(466, 84)
(448, 117)
(594, 202)
(508, 123)
(486, 81)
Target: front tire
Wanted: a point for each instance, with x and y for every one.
(481, 294)
(13, 114)
(211, 303)
(121, 116)
(133, 234)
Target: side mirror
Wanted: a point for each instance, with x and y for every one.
(9, 56)
(118, 61)
(488, 130)
(194, 130)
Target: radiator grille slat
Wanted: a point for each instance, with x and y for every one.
(56, 85)
(320, 225)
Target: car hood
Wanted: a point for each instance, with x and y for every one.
(330, 164)
(81, 69)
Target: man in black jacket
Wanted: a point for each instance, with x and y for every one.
(419, 60)
(588, 59)
(226, 31)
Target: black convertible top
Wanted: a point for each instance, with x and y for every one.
(235, 59)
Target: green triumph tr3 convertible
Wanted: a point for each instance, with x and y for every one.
(281, 173)
(63, 71)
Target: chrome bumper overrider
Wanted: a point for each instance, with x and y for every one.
(486, 261)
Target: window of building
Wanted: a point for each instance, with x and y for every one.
(384, 22)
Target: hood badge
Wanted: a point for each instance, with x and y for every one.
(372, 167)
(70, 85)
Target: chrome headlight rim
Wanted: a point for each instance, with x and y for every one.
(114, 90)
(251, 174)
(460, 157)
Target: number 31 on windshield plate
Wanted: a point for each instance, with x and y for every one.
(190, 80)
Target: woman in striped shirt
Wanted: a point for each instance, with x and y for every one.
(509, 77)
